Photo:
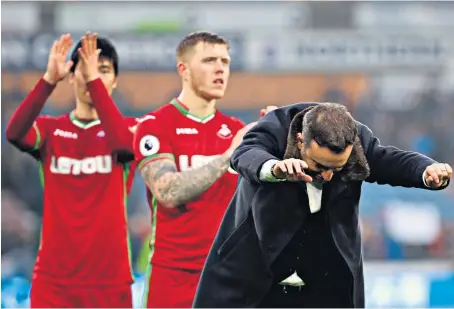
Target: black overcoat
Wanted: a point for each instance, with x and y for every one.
(262, 217)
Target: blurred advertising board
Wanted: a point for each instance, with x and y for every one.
(409, 284)
(407, 289)
(311, 51)
(138, 52)
(346, 50)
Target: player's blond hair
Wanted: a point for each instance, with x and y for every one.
(192, 39)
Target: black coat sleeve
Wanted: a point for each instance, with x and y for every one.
(265, 141)
(392, 166)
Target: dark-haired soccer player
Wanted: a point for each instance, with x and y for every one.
(183, 149)
(84, 159)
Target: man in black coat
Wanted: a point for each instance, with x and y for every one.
(290, 237)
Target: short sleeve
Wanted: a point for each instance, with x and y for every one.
(151, 141)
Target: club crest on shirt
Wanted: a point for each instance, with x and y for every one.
(101, 134)
(225, 132)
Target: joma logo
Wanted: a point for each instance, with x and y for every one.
(187, 131)
(65, 134)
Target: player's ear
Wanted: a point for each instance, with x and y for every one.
(299, 138)
(182, 69)
(114, 84)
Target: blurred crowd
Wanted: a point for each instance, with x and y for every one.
(427, 127)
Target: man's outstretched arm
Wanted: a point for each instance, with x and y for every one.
(173, 188)
(159, 171)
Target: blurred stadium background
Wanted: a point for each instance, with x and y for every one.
(391, 63)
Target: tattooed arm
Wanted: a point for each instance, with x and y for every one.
(173, 188)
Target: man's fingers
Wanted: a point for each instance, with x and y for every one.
(432, 175)
(293, 170)
(289, 166)
(60, 45)
(82, 55)
(94, 42)
(303, 176)
(303, 164)
(297, 168)
(443, 173)
(53, 49)
(67, 45)
(84, 43)
(438, 174)
(449, 170)
(90, 43)
(282, 167)
(306, 178)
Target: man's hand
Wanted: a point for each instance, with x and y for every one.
(238, 138)
(266, 110)
(57, 66)
(89, 56)
(292, 170)
(437, 175)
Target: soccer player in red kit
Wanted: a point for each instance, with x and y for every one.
(183, 151)
(85, 164)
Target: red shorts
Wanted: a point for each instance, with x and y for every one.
(170, 288)
(50, 295)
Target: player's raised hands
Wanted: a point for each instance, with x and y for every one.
(292, 170)
(57, 66)
(89, 56)
(437, 175)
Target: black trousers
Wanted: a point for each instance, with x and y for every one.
(321, 296)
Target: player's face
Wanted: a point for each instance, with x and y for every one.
(208, 70)
(107, 74)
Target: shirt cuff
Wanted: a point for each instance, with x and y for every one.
(265, 172)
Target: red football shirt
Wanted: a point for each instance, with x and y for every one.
(182, 239)
(84, 238)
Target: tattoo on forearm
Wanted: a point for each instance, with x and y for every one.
(178, 188)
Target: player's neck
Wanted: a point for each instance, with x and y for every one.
(196, 105)
(85, 111)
